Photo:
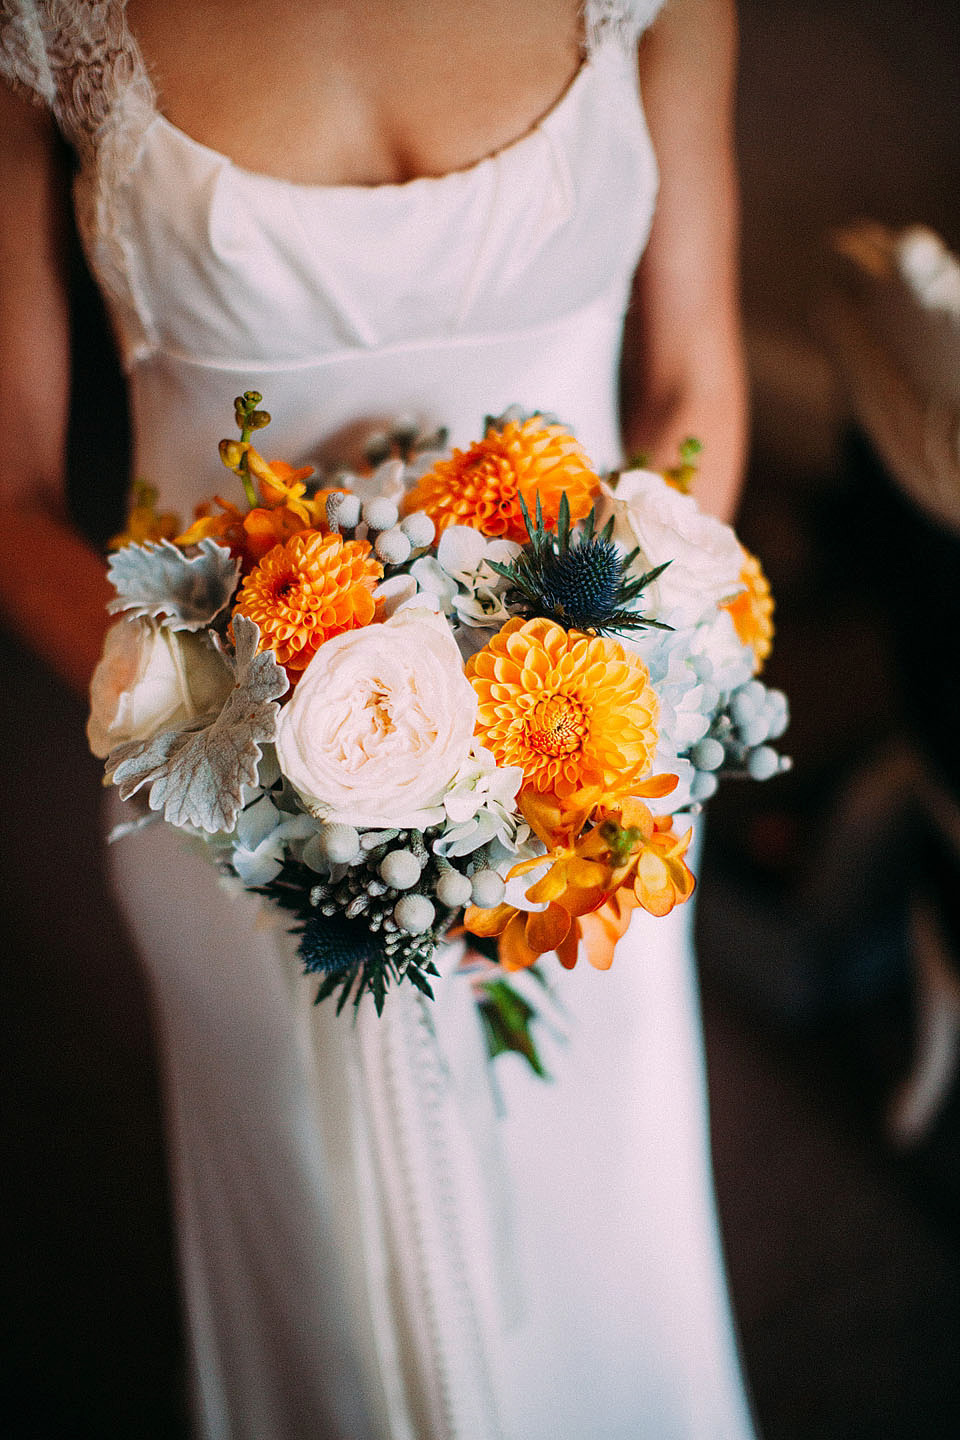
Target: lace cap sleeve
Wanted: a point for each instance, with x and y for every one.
(23, 51)
(619, 21)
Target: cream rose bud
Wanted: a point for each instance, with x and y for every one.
(704, 554)
(150, 678)
(379, 724)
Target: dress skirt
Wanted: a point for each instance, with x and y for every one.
(383, 1237)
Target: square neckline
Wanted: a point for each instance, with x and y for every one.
(552, 115)
(386, 187)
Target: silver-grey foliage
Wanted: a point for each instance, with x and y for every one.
(156, 580)
(198, 771)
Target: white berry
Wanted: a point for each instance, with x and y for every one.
(763, 763)
(414, 914)
(487, 889)
(380, 513)
(348, 512)
(454, 889)
(419, 529)
(339, 844)
(392, 546)
(400, 869)
(707, 754)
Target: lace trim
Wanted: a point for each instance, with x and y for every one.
(620, 22)
(23, 51)
(79, 58)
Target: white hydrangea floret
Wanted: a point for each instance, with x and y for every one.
(480, 806)
(731, 661)
(693, 670)
(461, 578)
(262, 835)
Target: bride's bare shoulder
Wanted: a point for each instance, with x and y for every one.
(357, 91)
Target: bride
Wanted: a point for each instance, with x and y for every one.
(363, 209)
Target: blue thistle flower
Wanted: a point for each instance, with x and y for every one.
(578, 579)
(332, 945)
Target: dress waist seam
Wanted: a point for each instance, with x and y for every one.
(468, 340)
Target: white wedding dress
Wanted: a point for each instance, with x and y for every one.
(376, 1239)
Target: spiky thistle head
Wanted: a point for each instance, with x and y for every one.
(332, 945)
(578, 578)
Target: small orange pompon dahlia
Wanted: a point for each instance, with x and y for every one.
(482, 487)
(751, 611)
(302, 593)
(573, 711)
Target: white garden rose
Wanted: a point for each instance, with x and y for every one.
(704, 554)
(379, 724)
(150, 678)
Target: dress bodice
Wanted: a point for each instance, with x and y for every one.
(442, 297)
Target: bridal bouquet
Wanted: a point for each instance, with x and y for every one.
(465, 693)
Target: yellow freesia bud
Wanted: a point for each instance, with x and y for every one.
(232, 453)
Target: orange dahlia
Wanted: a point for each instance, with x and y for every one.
(573, 711)
(752, 611)
(302, 593)
(482, 487)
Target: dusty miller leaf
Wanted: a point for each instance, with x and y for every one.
(157, 579)
(197, 772)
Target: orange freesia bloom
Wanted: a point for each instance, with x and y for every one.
(599, 931)
(571, 710)
(482, 487)
(594, 881)
(286, 510)
(145, 521)
(752, 611)
(663, 879)
(307, 590)
(280, 484)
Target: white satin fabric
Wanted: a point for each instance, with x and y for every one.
(375, 1241)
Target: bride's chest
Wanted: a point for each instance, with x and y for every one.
(357, 92)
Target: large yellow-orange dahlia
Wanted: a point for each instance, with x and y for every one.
(573, 711)
(751, 610)
(482, 486)
(302, 593)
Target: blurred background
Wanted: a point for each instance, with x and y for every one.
(828, 903)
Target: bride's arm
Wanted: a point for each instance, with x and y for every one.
(683, 369)
(52, 584)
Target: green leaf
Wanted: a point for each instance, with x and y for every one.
(506, 1018)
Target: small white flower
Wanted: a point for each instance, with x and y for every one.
(434, 583)
(400, 593)
(481, 806)
(387, 482)
(461, 579)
